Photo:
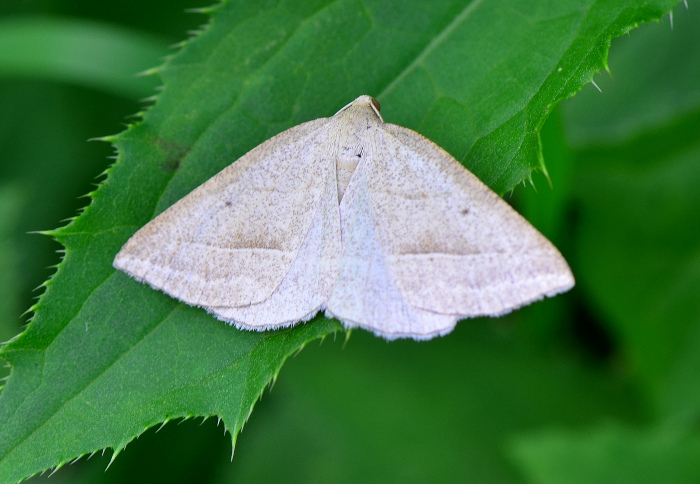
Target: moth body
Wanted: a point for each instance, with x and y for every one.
(368, 221)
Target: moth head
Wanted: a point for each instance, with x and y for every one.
(364, 103)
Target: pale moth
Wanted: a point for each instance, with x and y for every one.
(368, 221)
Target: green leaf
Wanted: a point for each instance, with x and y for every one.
(639, 243)
(90, 54)
(368, 411)
(653, 80)
(609, 454)
(433, 412)
(636, 168)
(106, 357)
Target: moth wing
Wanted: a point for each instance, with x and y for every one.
(231, 241)
(306, 286)
(365, 294)
(452, 246)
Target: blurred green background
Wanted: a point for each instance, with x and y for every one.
(598, 385)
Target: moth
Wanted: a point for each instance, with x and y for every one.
(367, 221)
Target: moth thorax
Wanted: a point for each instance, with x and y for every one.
(345, 164)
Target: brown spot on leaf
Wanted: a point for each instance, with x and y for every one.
(170, 165)
(173, 151)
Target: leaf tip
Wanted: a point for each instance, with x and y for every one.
(203, 10)
(167, 419)
(117, 451)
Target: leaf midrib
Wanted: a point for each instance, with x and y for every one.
(432, 45)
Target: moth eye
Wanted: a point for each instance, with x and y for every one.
(376, 104)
